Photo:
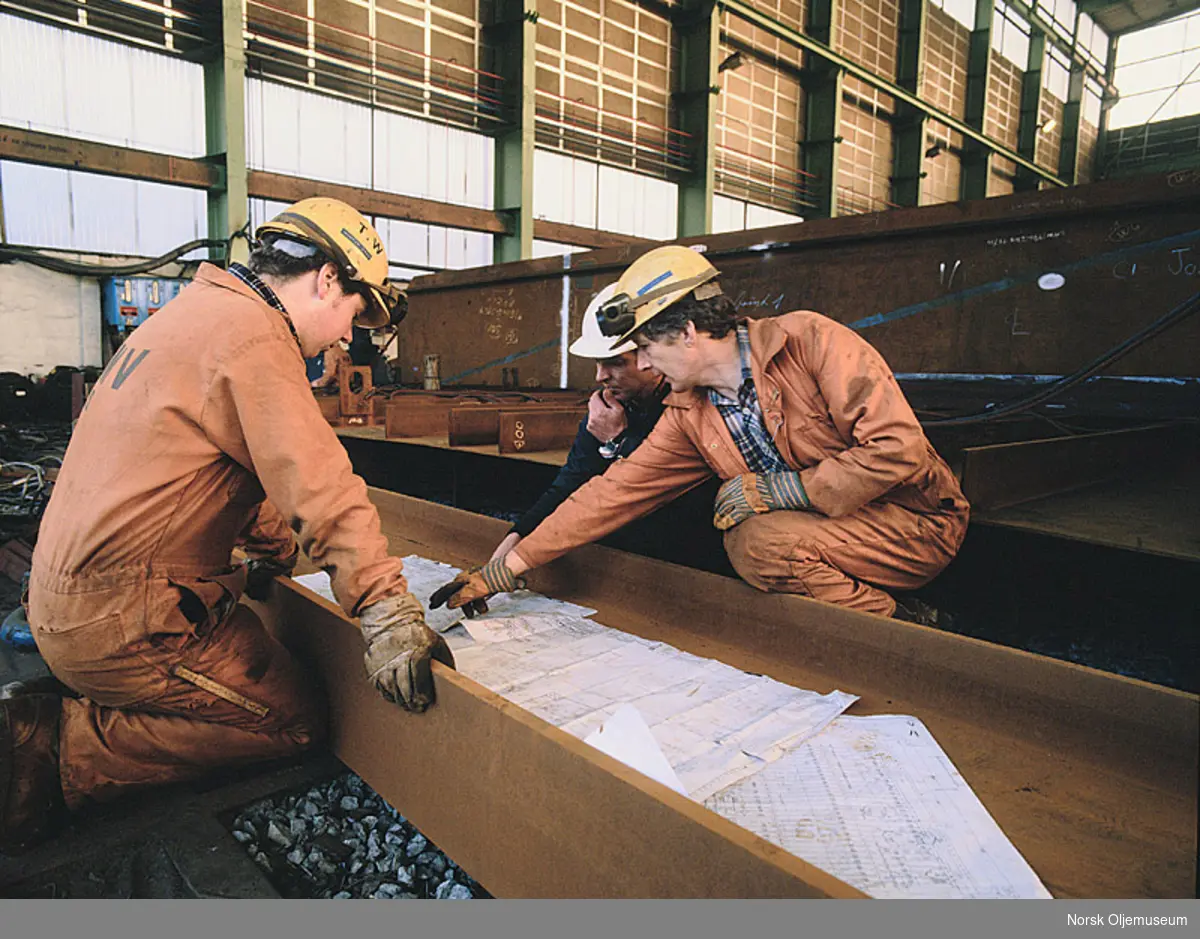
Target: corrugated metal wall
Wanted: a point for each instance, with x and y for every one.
(67, 83)
(580, 192)
(603, 66)
(604, 81)
(944, 85)
(760, 112)
(302, 133)
(737, 215)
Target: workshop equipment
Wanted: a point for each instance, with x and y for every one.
(127, 302)
(15, 631)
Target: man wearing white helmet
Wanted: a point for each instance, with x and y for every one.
(620, 416)
(203, 434)
(830, 487)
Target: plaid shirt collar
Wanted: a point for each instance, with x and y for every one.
(747, 397)
(744, 419)
(254, 282)
(269, 297)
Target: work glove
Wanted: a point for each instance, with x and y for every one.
(755, 493)
(470, 589)
(400, 648)
(262, 571)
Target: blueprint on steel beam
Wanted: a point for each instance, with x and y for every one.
(877, 803)
(714, 723)
(872, 800)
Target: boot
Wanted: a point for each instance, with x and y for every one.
(913, 610)
(30, 792)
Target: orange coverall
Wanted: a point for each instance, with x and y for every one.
(205, 410)
(886, 509)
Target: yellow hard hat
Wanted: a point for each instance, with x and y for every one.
(344, 234)
(592, 344)
(651, 284)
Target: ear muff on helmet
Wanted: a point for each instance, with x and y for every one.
(615, 316)
(619, 315)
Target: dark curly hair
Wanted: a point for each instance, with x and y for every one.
(716, 316)
(266, 259)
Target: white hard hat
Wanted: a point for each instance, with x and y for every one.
(592, 344)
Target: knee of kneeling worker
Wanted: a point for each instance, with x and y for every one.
(765, 562)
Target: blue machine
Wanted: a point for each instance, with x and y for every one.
(127, 302)
(16, 632)
(15, 629)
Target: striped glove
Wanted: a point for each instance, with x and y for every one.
(755, 493)
(470, 589)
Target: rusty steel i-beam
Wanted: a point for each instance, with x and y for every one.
(1092, 776)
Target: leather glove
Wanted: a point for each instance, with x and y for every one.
(471, 588)
(262, 571)
(400, 648)
(755, 493)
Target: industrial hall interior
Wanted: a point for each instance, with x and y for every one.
(469, 449)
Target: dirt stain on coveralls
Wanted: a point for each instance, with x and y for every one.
(858, 391)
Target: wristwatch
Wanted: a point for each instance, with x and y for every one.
(610, 448)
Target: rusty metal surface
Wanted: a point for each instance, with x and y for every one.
(473, 425)
(530, 810)
(1005, 474)
(1092, 776)
(283, 188)
(529, 431)
(947, 289)
(331, 407)
(1155, 512)
(378, 435)
(354, 390)
(478, 331)
(416, 418)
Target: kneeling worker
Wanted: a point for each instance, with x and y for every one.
(620, 416)
(133, 598)
(831, 488)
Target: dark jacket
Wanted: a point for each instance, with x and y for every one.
(585, 459)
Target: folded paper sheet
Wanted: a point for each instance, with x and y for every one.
(625, 737)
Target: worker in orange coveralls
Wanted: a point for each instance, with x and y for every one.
(831, 488)
(201, 435)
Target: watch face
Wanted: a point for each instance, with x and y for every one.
(609, 450)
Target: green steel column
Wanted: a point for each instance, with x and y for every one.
(977, 158)
(1031, 109)
(225, 129)
(1101, 159)
(514, 33)
(699, 52)
(908, 149)
(1068, 156)
(823, 110)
